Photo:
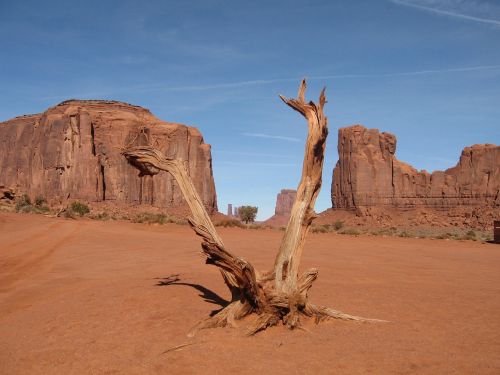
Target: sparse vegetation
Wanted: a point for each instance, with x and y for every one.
(384, 232)
(404, 234)
(25, 205)
(156, 218)
(257, 226)
(230, 223)
(79, 208)
(325, 228)
(22, 202)
(40, 201)
(101, 216)
(470, 235)
(338, 225)
(248, 213)
(350, 232)
(150, 218)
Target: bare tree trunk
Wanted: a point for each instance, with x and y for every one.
(280, 295)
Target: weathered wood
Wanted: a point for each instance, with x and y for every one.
(238, 274)
(279, 295)
(287, 262)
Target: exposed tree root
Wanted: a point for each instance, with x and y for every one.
(279, 295)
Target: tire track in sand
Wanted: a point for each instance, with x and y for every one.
(33, 252)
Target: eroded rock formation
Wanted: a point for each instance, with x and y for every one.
(283, 209)
(369, 175)
(284, 202)
(72, 151)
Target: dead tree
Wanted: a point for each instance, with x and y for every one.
(279, 295)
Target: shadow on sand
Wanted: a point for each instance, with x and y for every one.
(207, 295)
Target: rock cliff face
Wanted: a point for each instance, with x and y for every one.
(283, 209)
(72, 151)
(368, 174)
(284, 202)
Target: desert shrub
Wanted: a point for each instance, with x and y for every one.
(256, 226)
(101, 216)
(470, 235)
(23, 202)
(282, 229)
(79, 208)
(339, 224)
(384, 232)
(178, 220)
(40, 201)
(230, 223)
(325, 228)
(404, 234)
(319, 229)
(488, 237)
(150, 218)
(42, 209)
(446, 236)
(24, 205)
(350, 232)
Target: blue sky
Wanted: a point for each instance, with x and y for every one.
(425, 70)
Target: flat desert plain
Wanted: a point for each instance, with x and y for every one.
(86, 297)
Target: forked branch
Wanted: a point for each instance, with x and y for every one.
(238, 274)
(287, 262)
(279, 295)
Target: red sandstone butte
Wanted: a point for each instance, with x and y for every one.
(368, 174)
(283, 209)
(72, 152)
(284, 202)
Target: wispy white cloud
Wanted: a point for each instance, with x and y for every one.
(451, 9)
(257, 82)
(268, 136)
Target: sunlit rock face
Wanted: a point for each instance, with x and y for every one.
(72, 151)
(369, 175)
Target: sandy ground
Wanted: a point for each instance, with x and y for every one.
(82, 297)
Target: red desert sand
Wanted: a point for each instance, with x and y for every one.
(86, 297)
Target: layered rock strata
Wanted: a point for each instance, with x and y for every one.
(72, 152)
(369, 175)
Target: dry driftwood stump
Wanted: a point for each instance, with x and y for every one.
(279, 295)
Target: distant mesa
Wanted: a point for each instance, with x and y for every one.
(283, 209)
(368, 178)
(284, 202)
(72, 152)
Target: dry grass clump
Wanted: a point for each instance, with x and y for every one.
(157, 218)
(79, 208)
(230, 223)
(25, 205)
(328, 228)
(350, 231)
(102, 216)
(258, 226)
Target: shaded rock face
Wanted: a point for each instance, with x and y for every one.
(72, 152)
(284, 202)
(369, 175)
